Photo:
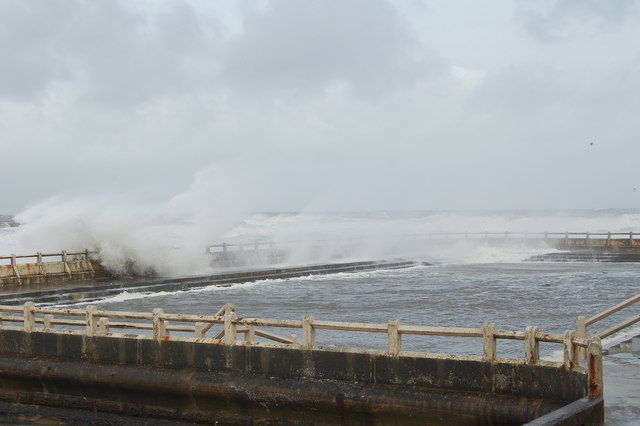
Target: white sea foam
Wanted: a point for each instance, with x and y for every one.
(170, 238)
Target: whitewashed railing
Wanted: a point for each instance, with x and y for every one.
(159, 325)
(582, 239)
(583, 322)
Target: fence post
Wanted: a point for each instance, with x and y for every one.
(568, 349)
(230, 328)
(91, 323)
(595, 369)
(531, 345)
(250, 335)
(200, 329)
(39, 262)
(489, 342)
(29, 317)
(582, 333)
(308, 332)
(103, 326)
(159, 325)
(14, 266)
(48, 322)
(395, 338)
(566, 240)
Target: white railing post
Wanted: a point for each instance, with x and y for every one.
(230, 328)
(582, 334)
(92, 322)
(200, 329)
(531, 345)
(595, 369)
(48, 322)
(103, 326)
(489, 342)
(568, 349)
(394, 336)
(159, 325)
(308, 332)
(250, 335)
(29, 317)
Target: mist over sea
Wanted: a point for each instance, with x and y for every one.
(172, 242)
(462, 284)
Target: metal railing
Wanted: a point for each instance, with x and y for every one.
(158, 325)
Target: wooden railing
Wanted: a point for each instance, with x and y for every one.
(583, 322)
(158, 325)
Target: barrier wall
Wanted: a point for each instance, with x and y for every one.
(90, 379)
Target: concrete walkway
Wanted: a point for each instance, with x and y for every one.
(622, 389)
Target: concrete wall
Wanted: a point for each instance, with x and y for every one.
(93, 378)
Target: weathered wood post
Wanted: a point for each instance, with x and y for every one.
(581, 333)
(29, 317)
(568, 349)
(308, 332)
(587, 242)
(489, 342)
(566, 240)
(92, 320)
(230, 328)
(394, 336)
(159, 325)
(531, 345)
(595, 369)
(608, 239)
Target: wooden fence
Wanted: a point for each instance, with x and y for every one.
(159, 325)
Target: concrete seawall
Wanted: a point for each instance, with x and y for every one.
(90, 379)
(73, 292)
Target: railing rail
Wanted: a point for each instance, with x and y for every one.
(570, 238)
(583, 322)
(158, 325)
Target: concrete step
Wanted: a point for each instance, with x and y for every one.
(586, 256)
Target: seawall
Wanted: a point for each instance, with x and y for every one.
(92, 378)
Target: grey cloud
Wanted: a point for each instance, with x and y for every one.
(111, 54)
(557, 21)
(304, 46)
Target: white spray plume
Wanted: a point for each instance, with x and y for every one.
(131, 236)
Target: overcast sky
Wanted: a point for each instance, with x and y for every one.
(297, 105)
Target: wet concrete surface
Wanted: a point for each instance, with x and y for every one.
(622, 389)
